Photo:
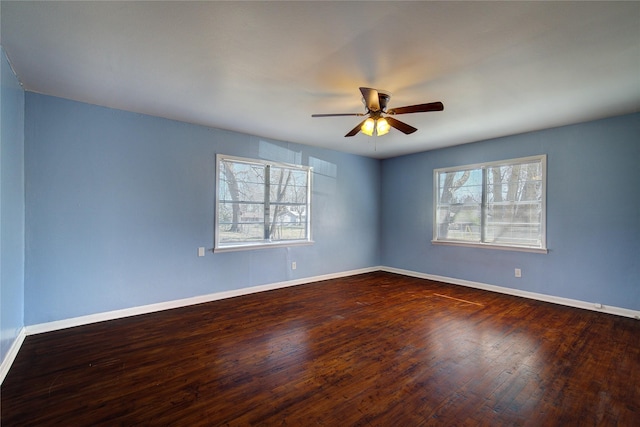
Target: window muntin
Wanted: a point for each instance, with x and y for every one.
(497, 204)
(261, 204)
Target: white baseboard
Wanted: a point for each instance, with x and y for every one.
(145, 309)
(619, 311)
(151, 308)
(11, 354)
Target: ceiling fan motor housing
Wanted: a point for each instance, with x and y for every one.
(383, 97)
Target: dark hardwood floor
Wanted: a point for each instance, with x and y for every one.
(376, 349)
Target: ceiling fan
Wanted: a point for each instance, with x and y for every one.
(376, 102)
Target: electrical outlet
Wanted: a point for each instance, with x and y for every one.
(200, 251)
(518, 272)
(294, 265)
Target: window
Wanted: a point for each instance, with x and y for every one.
(498, 204)
(261, 204)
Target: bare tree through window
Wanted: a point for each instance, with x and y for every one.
(500, 203)
(261, 202)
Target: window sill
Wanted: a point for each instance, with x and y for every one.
(490, 246)
(262, 245)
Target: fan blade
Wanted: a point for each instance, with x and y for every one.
(337, 115)
(371, 98)
(401, 126)
(356, 129)
(420, 108)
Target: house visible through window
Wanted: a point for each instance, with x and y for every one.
(498, 204)
(261, 203)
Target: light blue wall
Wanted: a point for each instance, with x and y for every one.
(12, 207)
(117, 204)
(593, 214)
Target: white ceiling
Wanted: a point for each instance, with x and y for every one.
(263, 68)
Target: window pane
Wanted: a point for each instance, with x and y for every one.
(460, 205)
(460, 186)
(288, 223)
(288, 192)
(288, 186)
(248, 226)
(460, 222)
(514, 204)
(241, 182)
(240, 202)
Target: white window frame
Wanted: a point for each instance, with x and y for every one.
(542, 248)
(221, 246)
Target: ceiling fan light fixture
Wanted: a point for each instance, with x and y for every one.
(382, 127)
(368, 127)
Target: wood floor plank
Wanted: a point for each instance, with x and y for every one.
(374, 349)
